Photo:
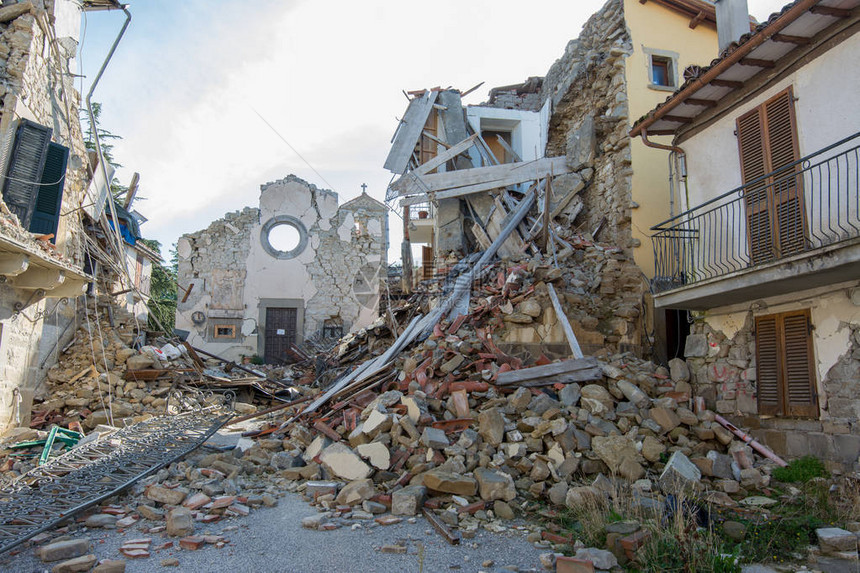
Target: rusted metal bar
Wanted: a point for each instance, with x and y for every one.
(452, 536)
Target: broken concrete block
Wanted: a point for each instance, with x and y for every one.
(633, 393)
(314, 521)
(434, 438)
(495, 485)
(601, 558)
(376, 423)
(356, 492)
(166, 495)
(101, 520)
(696, 346)
(317, 488)
(180, 522)
(491, 426)
(835, 540)
(450, 482)
(679, 474)
(409, 500)
(613, 450)
(667, 419)
(319, 444)
(63, 550)
(82, 563)
(110, 566)
(376, 453)
(415, 406)
(344, 463)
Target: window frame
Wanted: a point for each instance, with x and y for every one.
(671, 62)
(230, 327)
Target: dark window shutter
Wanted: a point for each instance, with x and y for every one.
(799, 365)
(49, 199)
(25, 169)
(768, 387)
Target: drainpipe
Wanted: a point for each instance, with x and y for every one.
(102, 165)
(681, 155)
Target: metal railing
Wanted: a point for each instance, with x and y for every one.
(806, 205)
(421, 211)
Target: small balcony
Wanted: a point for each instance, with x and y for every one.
(793, 229)
(422, 217)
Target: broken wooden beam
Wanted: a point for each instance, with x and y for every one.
(565, 372)
(565, 323)
(452, 536)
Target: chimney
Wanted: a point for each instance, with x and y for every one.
(733, 21)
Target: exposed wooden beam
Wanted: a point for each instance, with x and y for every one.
(786, 39)
(678, 118)
(446, 155)
(758, 63)
(727, 84)
(696, 20)
(701, 102)
(831, 11)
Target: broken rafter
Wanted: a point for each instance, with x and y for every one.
(444, 157)
(565, 323)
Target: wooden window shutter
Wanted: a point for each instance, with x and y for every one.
(751, 145)
(49, 198)
(787, 186)
(768, 386)
(799, 365)
(767, 141)
(24, 174)
(785, 368)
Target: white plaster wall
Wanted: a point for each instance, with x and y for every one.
(826, 111)
(526, 138)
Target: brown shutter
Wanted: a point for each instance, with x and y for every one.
(767, 141)
(787, 187)
(751, 145)
(799, 365)
(768, 387)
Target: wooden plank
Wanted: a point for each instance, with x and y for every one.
(547, 371)
(509, 173)
(513, 245)
(441, 158)
(509, 149)
(409, 131)
(565, 323)
(567, 198)
(587, 375)
(481, 236)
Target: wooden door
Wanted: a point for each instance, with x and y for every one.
(281, 331)
(767, 141)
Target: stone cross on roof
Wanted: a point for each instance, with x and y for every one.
(364, 187)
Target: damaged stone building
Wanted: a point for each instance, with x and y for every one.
(244, 291)
(458, 164)
(44, 166)
(764, 254)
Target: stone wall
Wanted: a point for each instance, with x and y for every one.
(589, 121)
(721, 366)
(35, 83)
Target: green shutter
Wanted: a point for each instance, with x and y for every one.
(21, 184)
(49, 199)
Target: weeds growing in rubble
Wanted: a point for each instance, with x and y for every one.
(800, 470)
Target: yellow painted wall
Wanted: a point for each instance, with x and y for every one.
(656, 27)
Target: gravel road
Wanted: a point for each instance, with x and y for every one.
(273, 540)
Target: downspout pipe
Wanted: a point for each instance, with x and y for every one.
(102, 164)
(643, 134)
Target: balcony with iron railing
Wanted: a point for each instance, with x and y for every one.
(795, 228)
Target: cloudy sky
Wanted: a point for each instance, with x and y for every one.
(191, 80)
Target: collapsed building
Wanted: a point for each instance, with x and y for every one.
(455, 163)
(53, 195)
(243, 293)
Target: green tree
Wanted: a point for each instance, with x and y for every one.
(105, 138)
(162, 290)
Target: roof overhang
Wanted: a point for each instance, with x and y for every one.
(699, 11)
(96, 5)
(752, 62)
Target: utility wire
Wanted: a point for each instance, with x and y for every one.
(330, 186)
